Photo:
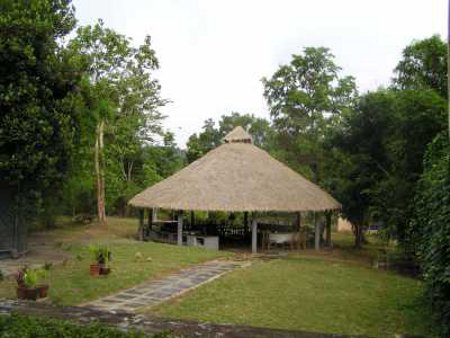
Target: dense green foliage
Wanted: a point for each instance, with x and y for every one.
(16, 325)
(122, 101)
(431, 228)
(38, 101)
(77, 117)
(379, 146)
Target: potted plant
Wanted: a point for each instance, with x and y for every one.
(102, 256)
(43, 287)
(28, 286)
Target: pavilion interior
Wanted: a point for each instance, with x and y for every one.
(233, 230)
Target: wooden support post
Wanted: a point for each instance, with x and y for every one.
(298, 221)
(192, 219)
(141, 225)
(328, 229)
(149, 219)
(153, 218)
(299, 239)
(254, 236)
(317, 233)
(180, 229)
(154, 215)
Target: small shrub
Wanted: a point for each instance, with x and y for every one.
(30, 277)
(101, 254)
(138, 256)
(17, 325)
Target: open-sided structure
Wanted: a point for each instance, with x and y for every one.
(237, 176)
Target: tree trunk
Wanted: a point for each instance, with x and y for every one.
(100, 173)
(359, 235)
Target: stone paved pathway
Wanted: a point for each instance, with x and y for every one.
(157, 291)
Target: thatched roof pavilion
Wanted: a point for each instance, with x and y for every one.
(237, 176)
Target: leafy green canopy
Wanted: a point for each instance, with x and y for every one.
(307, 97)
(38, 103)
(305, 93)
(423, 66)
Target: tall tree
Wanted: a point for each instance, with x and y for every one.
(423, 66)
(38, 100)
(305, 98)
(307, 92)
(122, 96)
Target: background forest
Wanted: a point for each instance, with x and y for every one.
(81, 131)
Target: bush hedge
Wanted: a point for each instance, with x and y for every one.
(431, 228)
(21, 326)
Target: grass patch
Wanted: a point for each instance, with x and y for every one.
(309, 294)
(70, 282)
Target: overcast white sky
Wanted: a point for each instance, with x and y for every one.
(214, 53)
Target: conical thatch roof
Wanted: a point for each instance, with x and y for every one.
(236, 176)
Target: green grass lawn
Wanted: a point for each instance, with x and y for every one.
(70, 283)
(308, 293)
(330, 291)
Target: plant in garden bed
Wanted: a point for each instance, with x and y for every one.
(30, 285)
(102, 257)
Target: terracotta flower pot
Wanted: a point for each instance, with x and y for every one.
(24, 292)
(95, 269)
(104, 270)
(99, 269)
(43, 290)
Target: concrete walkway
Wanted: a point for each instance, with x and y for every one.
(157, 291)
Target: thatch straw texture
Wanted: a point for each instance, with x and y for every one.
(236, 176)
